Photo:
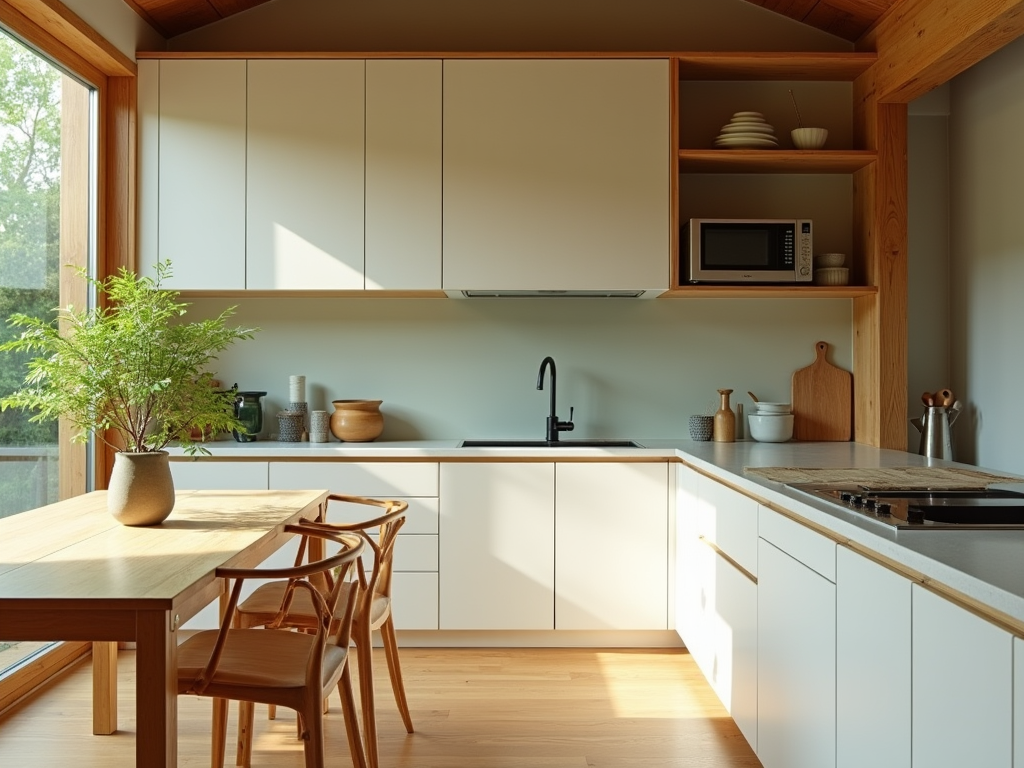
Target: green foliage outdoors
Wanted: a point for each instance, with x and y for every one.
(30, 91)
(133, 366)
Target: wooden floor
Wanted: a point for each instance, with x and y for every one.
(472, 708)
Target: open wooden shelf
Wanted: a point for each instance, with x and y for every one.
(774, 66)
(769, 292)
(774, 160)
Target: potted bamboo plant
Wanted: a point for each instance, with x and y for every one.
(133, 373)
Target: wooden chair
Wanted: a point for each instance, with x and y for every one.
(259, 609)
(290, 669)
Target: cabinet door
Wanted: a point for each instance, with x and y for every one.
(873, 663)
(220, 475)
(497, 559)
(403, 174)
(611, 546)
(304, 199)
(962, 687)
(1018, 702)
(556, 174)
(796, 663)
(688, 615)
(201, 173)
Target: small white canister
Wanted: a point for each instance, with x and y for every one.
(319, 426)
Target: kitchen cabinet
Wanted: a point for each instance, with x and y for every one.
(556, 175)
(873, 664)
(611, 546)
(497, 559)
(717, 590)
(962, 686)
(796, 659)
(1018, 702)
(304, 177)
(192, 117)
(415, 577)
(403, 174)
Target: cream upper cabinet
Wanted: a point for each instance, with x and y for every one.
(192, 126)
(304, 182)
(622, 511)
(403, 174)
(556, 174)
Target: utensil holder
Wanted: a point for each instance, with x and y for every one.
(290, 426)
(319, 426)
(702, 427)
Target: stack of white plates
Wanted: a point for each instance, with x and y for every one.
(747, 130)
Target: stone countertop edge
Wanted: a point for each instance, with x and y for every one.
(984, 565)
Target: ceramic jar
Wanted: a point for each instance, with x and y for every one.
(357, 421)
(141, 490)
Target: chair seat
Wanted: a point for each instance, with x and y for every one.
(272, 659)
(263, 605)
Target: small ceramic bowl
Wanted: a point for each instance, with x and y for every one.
(832, 276)
(823, 260)
(809, 138)
(776, 408)
(770, 427)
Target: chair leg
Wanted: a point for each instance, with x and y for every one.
(313, 746)
(387, 632)
(246, 720)
(348, 711)
(364, 652)
(272, 712)
(220, 732)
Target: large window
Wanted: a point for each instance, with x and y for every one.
(46, 129)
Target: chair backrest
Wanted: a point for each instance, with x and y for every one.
(337, 567)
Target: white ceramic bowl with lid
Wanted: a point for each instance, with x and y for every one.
(763, 407)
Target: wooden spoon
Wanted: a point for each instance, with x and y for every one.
(944, 398)
(752, 396)
(928, 399)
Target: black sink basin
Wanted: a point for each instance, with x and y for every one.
(550, 444)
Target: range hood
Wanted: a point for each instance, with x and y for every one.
(639, 293)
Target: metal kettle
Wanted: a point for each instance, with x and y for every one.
(935, 426)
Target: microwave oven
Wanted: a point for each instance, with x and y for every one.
(747, 251)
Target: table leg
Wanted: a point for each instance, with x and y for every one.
(104, 688)
(156, 690)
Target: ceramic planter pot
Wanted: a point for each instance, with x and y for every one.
(141, 490)
(357, 421)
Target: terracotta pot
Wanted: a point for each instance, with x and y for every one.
(141, 490)
(357, 421)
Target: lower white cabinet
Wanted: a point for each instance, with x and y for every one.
(497, 560)
(796, 660)
(611, 546)
(873, 664)
(1018, 702)
(962, 687)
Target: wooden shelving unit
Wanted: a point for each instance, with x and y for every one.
(769, 292)
(774, 160)
(774, 66)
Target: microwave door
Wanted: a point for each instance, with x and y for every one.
(741, 252)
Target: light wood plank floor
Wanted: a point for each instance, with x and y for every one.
(472, 708)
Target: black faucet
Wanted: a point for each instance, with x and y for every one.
(554, 426)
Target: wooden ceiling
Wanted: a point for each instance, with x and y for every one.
(848, 19)
(174, 17)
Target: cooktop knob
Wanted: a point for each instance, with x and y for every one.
(857, 501)
(883, 509)
(870, 503)
(845, 496)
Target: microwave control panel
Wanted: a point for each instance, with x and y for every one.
(804, 256)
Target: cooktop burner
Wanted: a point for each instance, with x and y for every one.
(929, 508)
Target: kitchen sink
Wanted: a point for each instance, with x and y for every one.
(598, 443)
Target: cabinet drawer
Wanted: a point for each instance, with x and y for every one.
(219, 475)
(416, 553)
(414, 600)
(379, 479)
(798, 541)
(728, 519)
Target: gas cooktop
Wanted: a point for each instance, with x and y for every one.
(929, 508)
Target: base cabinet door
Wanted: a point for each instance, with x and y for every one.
(497, 560)
(611, 546)
(796, 663)
(873, 664)
(962, 687)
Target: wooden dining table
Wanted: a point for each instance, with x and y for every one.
(69, 571)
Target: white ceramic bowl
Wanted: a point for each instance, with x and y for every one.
(829, 260)
(809, 138)
(770, 427)
(767, 408)
(832, 276)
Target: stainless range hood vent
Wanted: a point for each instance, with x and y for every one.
(502, 294)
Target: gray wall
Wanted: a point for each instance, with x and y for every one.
(119, 24)
(987, 255)
(449, 369)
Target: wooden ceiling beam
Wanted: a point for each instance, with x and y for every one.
(922, 44)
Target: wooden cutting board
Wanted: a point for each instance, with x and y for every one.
(822, 398)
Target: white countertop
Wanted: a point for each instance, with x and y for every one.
(987, 566)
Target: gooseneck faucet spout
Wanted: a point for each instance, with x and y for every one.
(554, 426)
